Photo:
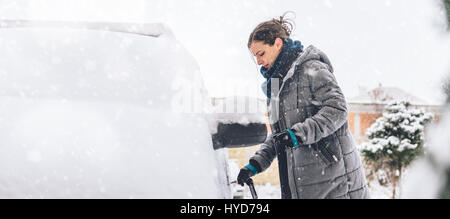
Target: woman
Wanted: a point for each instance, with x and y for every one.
(310, 136)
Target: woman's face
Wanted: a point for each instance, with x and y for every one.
(266, 54)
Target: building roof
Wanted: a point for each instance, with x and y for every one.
(385, 95)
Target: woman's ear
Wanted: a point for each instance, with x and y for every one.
(278, 43)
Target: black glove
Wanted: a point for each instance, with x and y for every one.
(283, 139)
(248, 171)
(244, 175)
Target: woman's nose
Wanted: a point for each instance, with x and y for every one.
(260, 62)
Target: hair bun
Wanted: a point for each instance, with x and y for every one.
(269, 30)
(287, 24)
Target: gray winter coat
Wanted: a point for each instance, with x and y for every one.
(326, 164)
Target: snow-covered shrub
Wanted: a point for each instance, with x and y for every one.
(395, 140)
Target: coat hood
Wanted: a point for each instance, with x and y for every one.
(309, 54)
(312, 53)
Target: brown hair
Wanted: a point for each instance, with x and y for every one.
(269, 30)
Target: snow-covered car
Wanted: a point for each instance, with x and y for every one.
(108, 110)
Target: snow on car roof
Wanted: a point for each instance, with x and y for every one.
(239, 109)
(146, 29)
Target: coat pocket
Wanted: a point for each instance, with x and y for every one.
(328, 150)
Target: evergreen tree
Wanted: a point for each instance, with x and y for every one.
(442, 167)
(395, 140)
(447, 10)
(446, 88)
(445, 192)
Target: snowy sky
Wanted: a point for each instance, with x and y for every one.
(399, 43)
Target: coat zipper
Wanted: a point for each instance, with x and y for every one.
(328, 155)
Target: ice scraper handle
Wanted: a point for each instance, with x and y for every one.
(251, 186)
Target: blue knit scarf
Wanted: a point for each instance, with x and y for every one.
(291, 49)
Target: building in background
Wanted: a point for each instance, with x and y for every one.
(367, 107)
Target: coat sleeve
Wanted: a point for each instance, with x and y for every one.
(266, 154)
(333, 109)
